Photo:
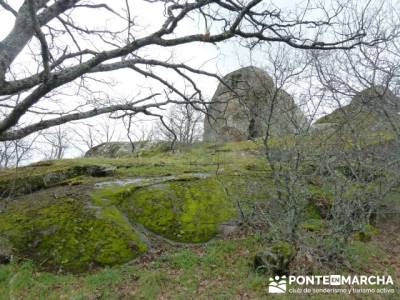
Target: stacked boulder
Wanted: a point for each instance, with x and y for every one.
(246, 104)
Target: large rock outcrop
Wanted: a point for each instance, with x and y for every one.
(373, 109)
(370, 122)
(243, 107)
(188, 208)
(85, 227)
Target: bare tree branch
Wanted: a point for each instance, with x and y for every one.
(6, 6)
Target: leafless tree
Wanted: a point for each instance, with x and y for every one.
(13, 153)
(364, 163)
(66, 55)
(107, 130)
(351, 160)
(185, 122)
(86, 137)
(138, 131)
(57, 141)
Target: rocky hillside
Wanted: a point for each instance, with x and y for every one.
(76, 215)
(154, 224)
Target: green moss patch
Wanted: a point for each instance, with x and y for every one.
(67, 235)
(183, 210)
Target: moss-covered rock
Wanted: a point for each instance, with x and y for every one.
(126, 149)
(47, 174)
(111, 149)
(69, 235)
(185, 210)
(275, 259)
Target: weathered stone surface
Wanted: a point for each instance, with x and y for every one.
(240, 109)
